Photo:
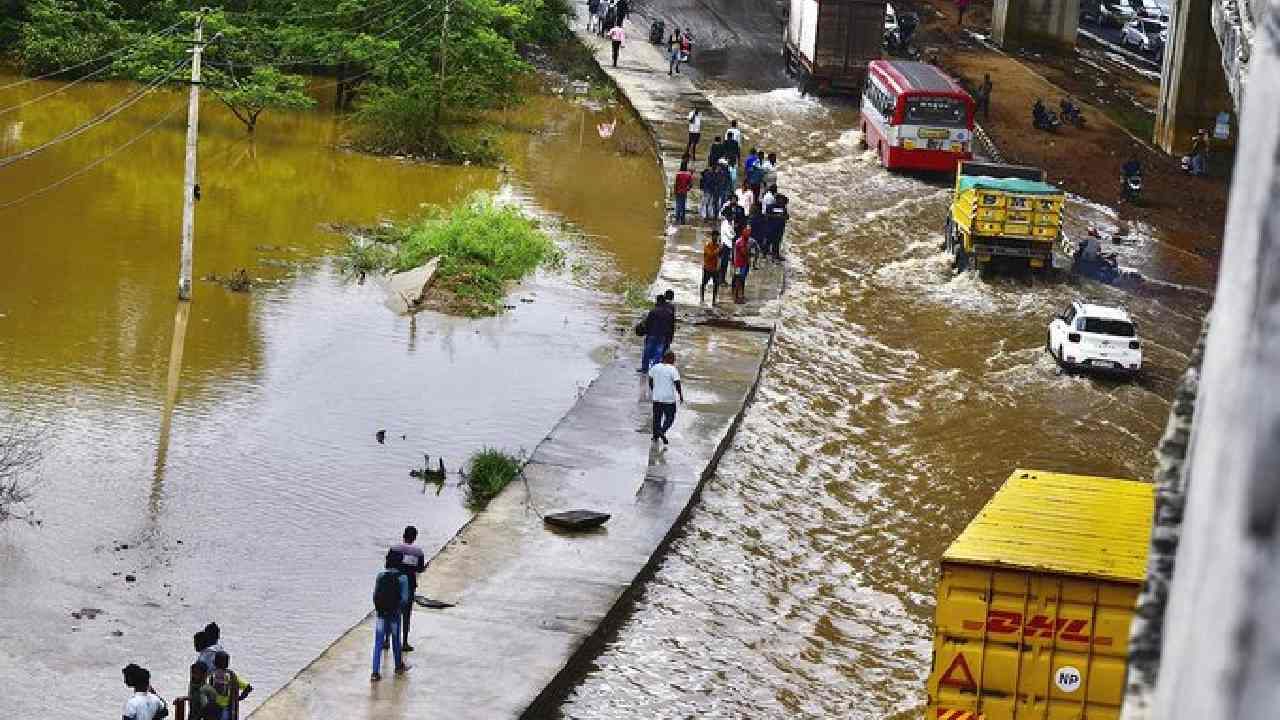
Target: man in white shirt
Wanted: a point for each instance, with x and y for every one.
(664, 387)
(145, 704)
(695, 133)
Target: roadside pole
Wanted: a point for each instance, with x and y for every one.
(189, 179)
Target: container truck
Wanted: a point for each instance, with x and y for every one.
(1003, 212)
(828, 43)
(1035, 600)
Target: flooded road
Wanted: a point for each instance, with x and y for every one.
(233, 475)
(896, 399)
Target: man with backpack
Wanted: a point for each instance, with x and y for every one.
(659, 330)
(707, 184)
(390, 595)
(411, 561)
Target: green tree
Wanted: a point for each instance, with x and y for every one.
(264, 88)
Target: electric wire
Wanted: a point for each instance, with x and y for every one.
(98, 161)
(56, 91)
(310, 16)
(93, 122)
(113, 53)
(367, 73)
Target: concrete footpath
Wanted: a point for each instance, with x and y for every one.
(532, 603)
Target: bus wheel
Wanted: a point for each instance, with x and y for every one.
(863, 142)
(961, 263)
(947, 236)
(880, 154)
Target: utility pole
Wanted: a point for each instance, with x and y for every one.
(444, 52)
(189, 180)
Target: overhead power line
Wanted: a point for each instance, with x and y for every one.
(107, 56)
(114, 151)
(95, 121)
(308, 16)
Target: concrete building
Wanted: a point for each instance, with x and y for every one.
(1040, 23)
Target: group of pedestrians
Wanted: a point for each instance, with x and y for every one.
(741, 195)
(606, 18)
(394, 590)
(214, 691)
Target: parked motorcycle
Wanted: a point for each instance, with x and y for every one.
(1131, 186)
(1071, 113)
(658, 32)
(897, 41)
(1042, 118)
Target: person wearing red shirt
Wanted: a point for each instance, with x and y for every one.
(684, 181)
(741, 264)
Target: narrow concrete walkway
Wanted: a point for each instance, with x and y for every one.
(530, 600)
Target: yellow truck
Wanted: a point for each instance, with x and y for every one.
(1003, 212)
(1035, 601)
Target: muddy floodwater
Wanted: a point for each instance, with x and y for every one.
(896, 399)
(220, 463)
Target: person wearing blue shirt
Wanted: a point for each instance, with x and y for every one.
(390, 597)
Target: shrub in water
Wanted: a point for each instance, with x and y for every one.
(489, 471)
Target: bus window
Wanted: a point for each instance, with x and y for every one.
(943, 112)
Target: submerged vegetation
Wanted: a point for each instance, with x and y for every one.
(418, 85)
(482, 245)
(489, 471)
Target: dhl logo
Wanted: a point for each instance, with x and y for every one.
(1001, 622)
(953, 714)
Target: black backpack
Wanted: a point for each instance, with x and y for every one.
(386, 593)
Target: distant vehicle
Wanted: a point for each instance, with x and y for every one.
(1145, 35)
(828, 44)
(1145, 8)
(898, 31)
(915, 116)
(1116, 13)
(1035, 598)
(1095, 337)
(1003, 212)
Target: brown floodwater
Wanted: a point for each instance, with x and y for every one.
(896, 399)
(217, 461)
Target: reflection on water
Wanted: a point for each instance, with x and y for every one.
(222, 454)
(896, 398)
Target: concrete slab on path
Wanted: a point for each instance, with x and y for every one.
(530, 599)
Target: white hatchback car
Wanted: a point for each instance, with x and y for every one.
(1095, 337)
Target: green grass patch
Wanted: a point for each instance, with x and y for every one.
(489, 471)
(636, 295)
(482, 246)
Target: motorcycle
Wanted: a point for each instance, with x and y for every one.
(1044, 119)
(1131, 186)
(1071, 114)
(1103, 267)
(897, 41)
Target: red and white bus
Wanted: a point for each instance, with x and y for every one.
(915, 116)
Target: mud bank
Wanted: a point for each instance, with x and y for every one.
(531, 602)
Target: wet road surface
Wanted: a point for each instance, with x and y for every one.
(897, 397)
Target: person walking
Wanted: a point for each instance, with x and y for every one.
(610, 16)
(229, 688)
(734, 135)
(202, 701)
(617, 36)
(741, 265)
(1199, 152)
(754, 177)
(659, 329)
(593, 12)
(683, 183)
(695, 133)
(770, 167)
(716, 151)
(673, 51)
(961, 6)
(984, 96)
(728, 232)
(707, 184)
(411, 561)
(208, 643)
(710, 269)
(601, 12)
(624, 9)
(664, 387)
(777, 225)
(390, 595)
(144, 703)
(724, 185)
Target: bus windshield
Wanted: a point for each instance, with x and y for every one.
(938, 111)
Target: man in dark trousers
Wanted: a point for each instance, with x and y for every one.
(390, 595)
(411, 561)
(664, 388)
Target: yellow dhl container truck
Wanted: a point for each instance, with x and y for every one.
(1035, 600)
(1003, 212)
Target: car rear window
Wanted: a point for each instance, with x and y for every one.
(1119, 328)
